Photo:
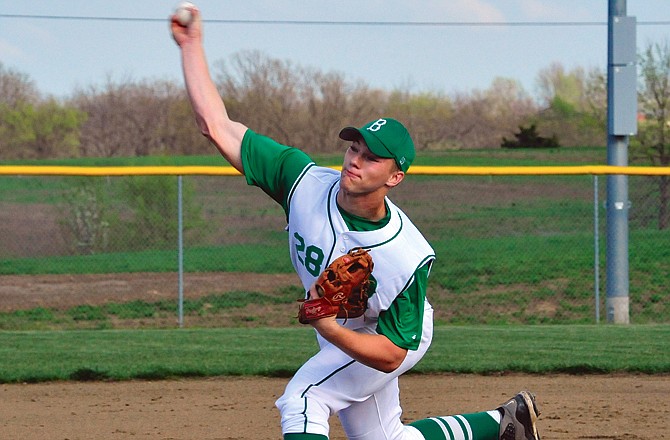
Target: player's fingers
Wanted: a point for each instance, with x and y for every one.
(314, 292)
(177, 30)
(196, 21)
(193, 30)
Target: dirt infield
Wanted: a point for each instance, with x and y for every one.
(573, 407)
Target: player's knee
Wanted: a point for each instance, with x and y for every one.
(300, 414)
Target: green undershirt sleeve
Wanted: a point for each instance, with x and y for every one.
(271, 166)
(403, 321)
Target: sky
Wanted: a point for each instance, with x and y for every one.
(91, 41)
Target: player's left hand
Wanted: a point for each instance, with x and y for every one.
(341, 290)
(319, 323)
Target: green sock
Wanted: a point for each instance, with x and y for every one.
(305, 436)
(475, 426)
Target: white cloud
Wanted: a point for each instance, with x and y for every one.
(474, 10)
(39, 34)
(9, 52)
(556, 11)
(416, 10)
(452, 10)
(21, 41)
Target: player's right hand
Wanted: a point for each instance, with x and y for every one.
(183, 34)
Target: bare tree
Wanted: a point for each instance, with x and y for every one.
(482, 118)
(509, 105)
(595, 94)
(330, 103)
(108, 132)
(180, 135)
(16, 88)
(132, 118)
(653, 140)
(325, 97)
(261, 92)
(292, 104)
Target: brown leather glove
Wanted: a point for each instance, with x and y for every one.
(342, 288)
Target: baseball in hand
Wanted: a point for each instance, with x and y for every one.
(183, 13)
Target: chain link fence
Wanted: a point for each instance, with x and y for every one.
(102, 252)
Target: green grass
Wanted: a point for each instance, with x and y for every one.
(260, 258)
(210, 308)
(525, 258)
(160, 354)
(503, 259)
(517, 279)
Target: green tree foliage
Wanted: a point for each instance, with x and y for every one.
(37, 131)
(85, 214)
(127, 214)
(424, 114)
(575, 105)
(32, 127)
(152, 202)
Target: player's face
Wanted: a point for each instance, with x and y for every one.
(364, 172)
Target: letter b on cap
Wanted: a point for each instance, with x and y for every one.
(377, 125)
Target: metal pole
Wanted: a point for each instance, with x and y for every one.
(596, 247)
(621, 123)
(180, 252)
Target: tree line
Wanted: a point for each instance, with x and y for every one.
(306, 107)
(296, 105)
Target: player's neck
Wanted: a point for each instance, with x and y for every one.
(369, 206)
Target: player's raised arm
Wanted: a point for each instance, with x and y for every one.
(211, 115)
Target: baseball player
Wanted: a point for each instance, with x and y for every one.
(355, 373)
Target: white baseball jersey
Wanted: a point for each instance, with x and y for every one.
(318, 235)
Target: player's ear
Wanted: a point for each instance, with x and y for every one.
(395, 178)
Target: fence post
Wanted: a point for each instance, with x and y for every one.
(180, 251)
(596, 247)
(621, 123)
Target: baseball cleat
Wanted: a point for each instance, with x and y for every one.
(519, 415)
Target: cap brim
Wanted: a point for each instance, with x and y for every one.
(353, 133)
(350, 134)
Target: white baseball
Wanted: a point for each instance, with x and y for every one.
(183, 14)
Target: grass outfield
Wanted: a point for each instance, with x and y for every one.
(539, 255)
(162, 354)
(504, 278)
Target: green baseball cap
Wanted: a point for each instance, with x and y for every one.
(385, 137)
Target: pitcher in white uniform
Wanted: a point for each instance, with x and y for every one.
(355, 373)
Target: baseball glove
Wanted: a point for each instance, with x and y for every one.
(342, 288)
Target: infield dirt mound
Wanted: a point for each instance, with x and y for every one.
(611, 407)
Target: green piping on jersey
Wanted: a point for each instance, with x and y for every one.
(330, 219)
(295, 185)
